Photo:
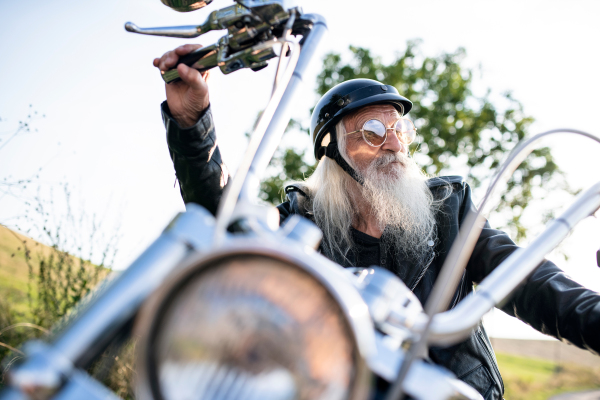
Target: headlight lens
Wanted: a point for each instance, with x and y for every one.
(251, 327)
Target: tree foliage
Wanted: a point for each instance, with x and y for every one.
(457, 130)
(292, 167)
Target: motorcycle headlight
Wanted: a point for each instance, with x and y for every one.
(249, 326)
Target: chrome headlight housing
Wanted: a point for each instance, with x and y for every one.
(252, 321)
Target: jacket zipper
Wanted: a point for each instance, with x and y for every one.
(413, 286)
(490, 356)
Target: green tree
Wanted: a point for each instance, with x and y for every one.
(456, 128)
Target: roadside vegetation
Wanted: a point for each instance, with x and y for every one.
(42, 280)
(39, 286)
(536, 379)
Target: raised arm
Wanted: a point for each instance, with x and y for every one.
(191, 134)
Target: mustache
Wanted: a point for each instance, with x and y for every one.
(386, 159)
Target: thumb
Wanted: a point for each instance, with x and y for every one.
(191, 76)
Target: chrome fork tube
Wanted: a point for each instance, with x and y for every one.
(262, 146)
(281, 118)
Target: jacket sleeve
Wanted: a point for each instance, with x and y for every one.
(197, 160)
(548, 300)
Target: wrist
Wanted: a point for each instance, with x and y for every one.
(186, 121)
(182, 121)
(190, 116)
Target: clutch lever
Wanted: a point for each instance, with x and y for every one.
(218, 19)
(188, 31)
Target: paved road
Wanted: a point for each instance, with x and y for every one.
(589, 395)
(551, 350)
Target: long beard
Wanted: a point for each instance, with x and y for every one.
(401, 203)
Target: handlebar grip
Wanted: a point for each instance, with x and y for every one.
(190, 58)
(201, 59)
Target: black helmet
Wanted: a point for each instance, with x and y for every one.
(342, 100)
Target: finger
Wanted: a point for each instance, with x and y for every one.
(186, 48)
(156, 62)
(206, 75)
(168, 60)
(161, 61)
(190, 76)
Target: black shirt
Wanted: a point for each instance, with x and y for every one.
(367, 249)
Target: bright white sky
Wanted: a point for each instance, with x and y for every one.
(104, 136)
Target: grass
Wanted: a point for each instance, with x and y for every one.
(14, 272)
(535, 379)
(16, 282)
(59, 284)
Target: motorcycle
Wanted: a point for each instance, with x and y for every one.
(256, 312)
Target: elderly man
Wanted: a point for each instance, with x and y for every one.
(375, 207)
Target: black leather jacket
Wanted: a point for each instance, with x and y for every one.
(548, 301)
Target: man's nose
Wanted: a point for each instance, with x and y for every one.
(392, 143)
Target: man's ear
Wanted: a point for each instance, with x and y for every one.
(333, 152)
(322, 150)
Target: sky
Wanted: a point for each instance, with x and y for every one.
(103, 136)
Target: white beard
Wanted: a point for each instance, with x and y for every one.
(402, 204)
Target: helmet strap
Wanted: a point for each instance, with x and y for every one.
(332, 151)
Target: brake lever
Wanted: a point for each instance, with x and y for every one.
(188, 31)
(218, 19)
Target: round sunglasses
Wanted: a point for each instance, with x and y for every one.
(374, 132)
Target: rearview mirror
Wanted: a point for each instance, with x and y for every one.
(186, 5)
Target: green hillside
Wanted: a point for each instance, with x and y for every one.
(14, 272)
(60, 278)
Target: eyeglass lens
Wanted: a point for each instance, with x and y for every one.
(406, 131)
(374, 132)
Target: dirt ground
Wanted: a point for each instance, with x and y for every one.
(551, 350)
